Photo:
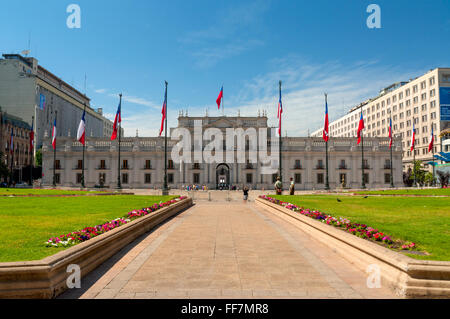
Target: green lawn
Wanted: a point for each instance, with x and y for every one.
(412, 191)
(425, 221)
(35, 191)
(26, 223)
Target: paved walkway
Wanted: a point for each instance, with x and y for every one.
(226, 250)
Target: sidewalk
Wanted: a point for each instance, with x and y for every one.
(226, 250)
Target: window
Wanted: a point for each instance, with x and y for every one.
(319, 164)
(298, 178)
(415, 89)
(170, 164)
(170, 178)
(80, 165)
(320, 178)
(432, 93)
(249, 178)
(387, 164)
(57, 164)
(407, 92)
(148, 178)
(57, 178)
(416, 110)
(297, 164)
(125, 178)
(148, 164)
(424, 118)
(432, 80)
(125, 164)
(424, 96)
(423, 85)
(343, 165)
(196, 178)
(78, 178)
(102, 164)
(387, 178)
(366, 178)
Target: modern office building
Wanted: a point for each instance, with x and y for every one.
(423, 101)
(29, 90)
(142, 159)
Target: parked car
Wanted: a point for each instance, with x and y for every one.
(3, 184)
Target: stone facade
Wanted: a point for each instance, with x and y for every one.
(142, 161)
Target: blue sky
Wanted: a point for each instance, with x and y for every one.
(312, 46)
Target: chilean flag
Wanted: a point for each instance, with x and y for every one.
(390, 133)
(54, 134)
(430, 146)
(81, 134)
(219, 98)
(325, 135)
(280, 110)
(360, 128)
(413, 137)
(32, 138)
(163, 112)
(117, 119)
(11, 142)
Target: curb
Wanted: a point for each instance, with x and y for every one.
(46, 278)
(407, 277)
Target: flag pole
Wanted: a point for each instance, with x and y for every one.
(11, 146)
(363, 185)
(119, 186)
(279, 143)
(392, 168)
(165, 187)
(54, 155)
(327, 184)
(432, 150)
(414, 153)
(82, 162)
(31, 154)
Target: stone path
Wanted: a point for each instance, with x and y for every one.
(226, 250)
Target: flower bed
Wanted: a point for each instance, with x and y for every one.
(360, 230)
(91, 232)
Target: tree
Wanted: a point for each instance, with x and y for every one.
(38, 158)
(4, 171)
(419, 173)
(407, 177)
(444, 178)
(428, 179)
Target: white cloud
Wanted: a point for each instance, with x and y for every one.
(303, 88)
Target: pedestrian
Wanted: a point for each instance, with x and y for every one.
(278, 186)
(245, 190)
(292, 187)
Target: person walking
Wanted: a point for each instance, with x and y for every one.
(292, 187)
(278, 186)
(245, 191)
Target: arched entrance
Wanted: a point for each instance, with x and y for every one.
(222, 176)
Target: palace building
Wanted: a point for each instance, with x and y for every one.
(142, 160)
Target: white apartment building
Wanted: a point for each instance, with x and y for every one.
(424, 101)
